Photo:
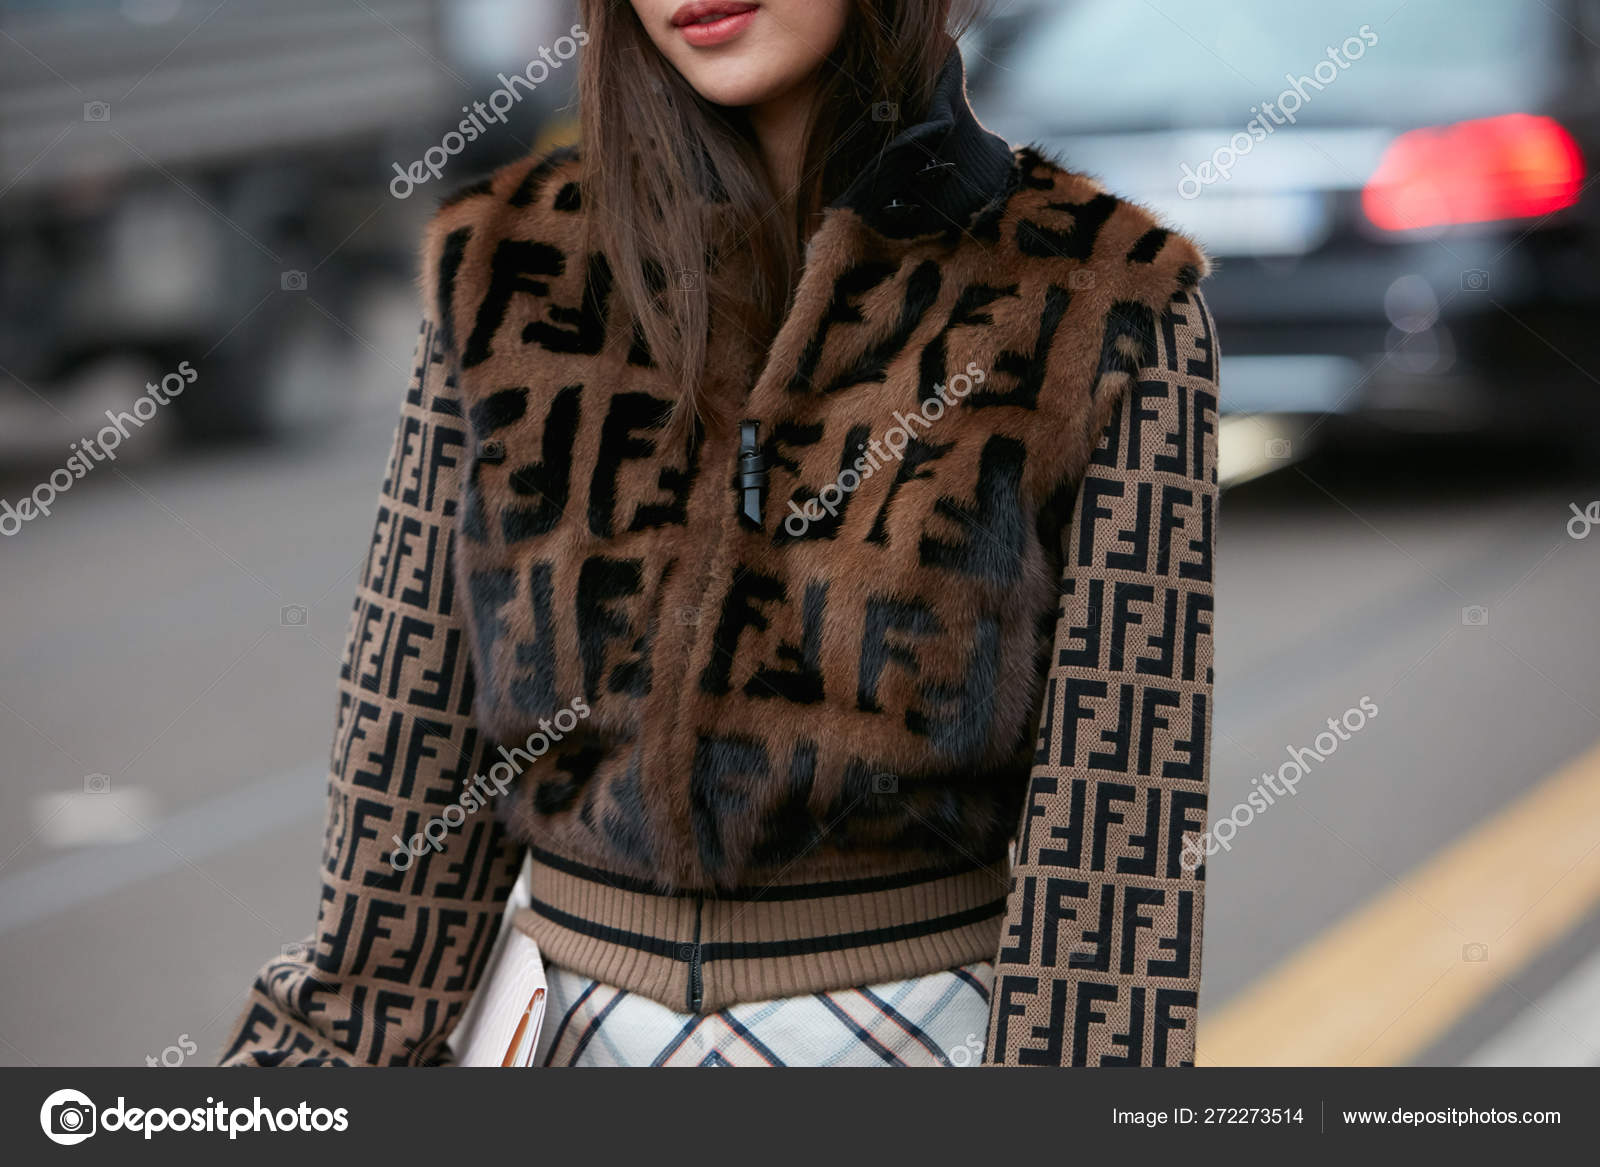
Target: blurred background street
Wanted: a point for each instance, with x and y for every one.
(1405, 304)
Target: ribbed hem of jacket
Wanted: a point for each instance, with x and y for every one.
(698, 953)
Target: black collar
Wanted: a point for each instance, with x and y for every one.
(939, 174)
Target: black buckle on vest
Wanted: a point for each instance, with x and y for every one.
(752, 472)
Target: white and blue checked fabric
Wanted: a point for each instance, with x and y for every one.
(935, 1020)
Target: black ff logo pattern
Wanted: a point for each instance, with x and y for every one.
(1099, 963)
(396, 954)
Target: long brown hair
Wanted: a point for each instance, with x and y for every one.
(672, 181)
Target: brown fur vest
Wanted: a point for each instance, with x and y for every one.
(856, 678)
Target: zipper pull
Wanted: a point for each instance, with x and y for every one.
(752, 472)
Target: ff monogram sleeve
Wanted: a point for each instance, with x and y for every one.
(1099, 960)
(403, 931)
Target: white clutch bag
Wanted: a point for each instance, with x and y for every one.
(502, 1022)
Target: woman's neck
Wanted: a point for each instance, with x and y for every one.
(780, 131)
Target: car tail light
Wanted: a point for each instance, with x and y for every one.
(1511, 167)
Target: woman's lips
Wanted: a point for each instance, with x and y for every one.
(713, 22)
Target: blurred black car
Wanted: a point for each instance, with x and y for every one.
(1399, 197)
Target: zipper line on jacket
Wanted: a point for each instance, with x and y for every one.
(697, 988)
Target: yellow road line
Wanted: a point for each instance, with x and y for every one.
(1385, 982)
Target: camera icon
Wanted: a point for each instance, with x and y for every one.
(97, 111)
(72, 1118)
(1475, 953)
(687, 952)
(1475, 616)
(885, 784)
(292, 616)
(885, 111)
(296, 950)
(1475, 280)
(688, 615)
(97, 783)
(1280, 449)
(1081, 280)
(293, 281)
(67, 1117)
(688, 281)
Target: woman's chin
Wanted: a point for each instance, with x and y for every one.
(739, 88)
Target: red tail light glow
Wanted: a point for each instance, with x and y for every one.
(1513, 167)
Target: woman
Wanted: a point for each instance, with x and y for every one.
(802, 500)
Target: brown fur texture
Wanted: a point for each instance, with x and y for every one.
(863, 696)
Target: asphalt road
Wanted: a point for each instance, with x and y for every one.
(152, 636)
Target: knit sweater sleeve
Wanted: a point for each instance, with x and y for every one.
(401, 937)
(1099, 959)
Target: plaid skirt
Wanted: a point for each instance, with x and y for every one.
(935, 1020)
